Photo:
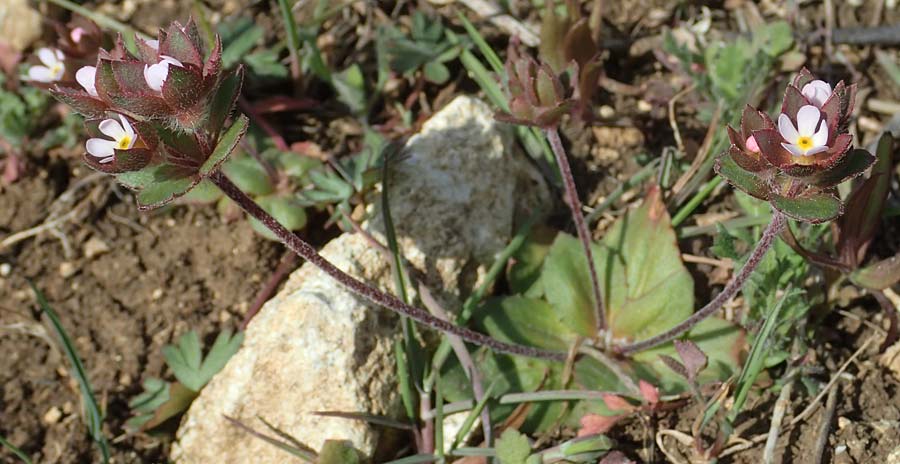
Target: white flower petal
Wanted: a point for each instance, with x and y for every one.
(807, 120)
(154, 44)
(786, 128)
(820, 138)
(170, 60)
(100, 148)
(112, 128)
(41, 74)
(48, 56)
(128, 130)
(155, 75)
(795, 150)
(817, 92)
(814, 150)
(86, 77)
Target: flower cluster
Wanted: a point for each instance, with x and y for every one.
(158, 116)
(77, 45)
(796, 163)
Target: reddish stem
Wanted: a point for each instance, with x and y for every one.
(737, 282)
(580, 225)
(365, 290)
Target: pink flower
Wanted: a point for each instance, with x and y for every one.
(751, 144)
(809, 137)
(123, 138)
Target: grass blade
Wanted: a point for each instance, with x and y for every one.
(15, 450)
(91, 408)
(370, 418)
(303, 454)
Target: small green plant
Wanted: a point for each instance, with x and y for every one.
(425, 48)
(162, 400)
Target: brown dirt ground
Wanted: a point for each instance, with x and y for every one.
(163, 274)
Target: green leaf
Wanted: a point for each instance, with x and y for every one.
(525, 273)
(185, 358)
(525, 321)
(741, 179)
(646, 286)
(204, 193)
(721, 341)
(288, 211)
(250, 176)
(567, 284)
(512, 447)
(350, 86)
(436, 72)
(159, 402)
(878, 275)
(227, 143)
(814, 208)
(338, 452)
(161, 192)
(239, 44)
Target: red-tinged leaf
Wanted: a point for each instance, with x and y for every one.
(692, 357)
(595, 424)
(213, 64)
(751, 162)
(793, 101)
(147, 106)
(879, 275)
(105, 80)
(649, 392)
(224, 98)
(835, 154)
(832, 110)
(753, 119)
(184, 87)
(147, 53)
(130, 77)
(83, 104)
(802, 78)
(852, 165)
(180, 398)
(811, 207)
(741, 179)
(673, 364)
(193, 34)
(178, 45)
(617, 403)
(865, 206)
(769, 141)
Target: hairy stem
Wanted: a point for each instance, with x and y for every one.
(580, 225)
(737, 282)
(367, 291)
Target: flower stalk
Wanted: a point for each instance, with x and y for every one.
(580, 225)
(367, 291)
(776, 225)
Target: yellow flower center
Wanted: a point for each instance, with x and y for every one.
(56, 69)
(805, 143)
(124, 142)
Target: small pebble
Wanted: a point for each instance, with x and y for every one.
(125, 380)
(644, 106)
(5, 269)
(52, 416)
(843, 422)
(95, 247)
(157, 294)
(67, 269)
(224, 316)
(607, 112)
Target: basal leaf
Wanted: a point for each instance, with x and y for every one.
(647, 288)
(525, 321)
(879, 275)
(512, 447)
(722, 343)
(525, 272)
(567, 284)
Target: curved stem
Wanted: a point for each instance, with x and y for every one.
(580, 225)
(367, 291)
(737, 282)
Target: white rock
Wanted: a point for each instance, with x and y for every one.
(316, 347)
